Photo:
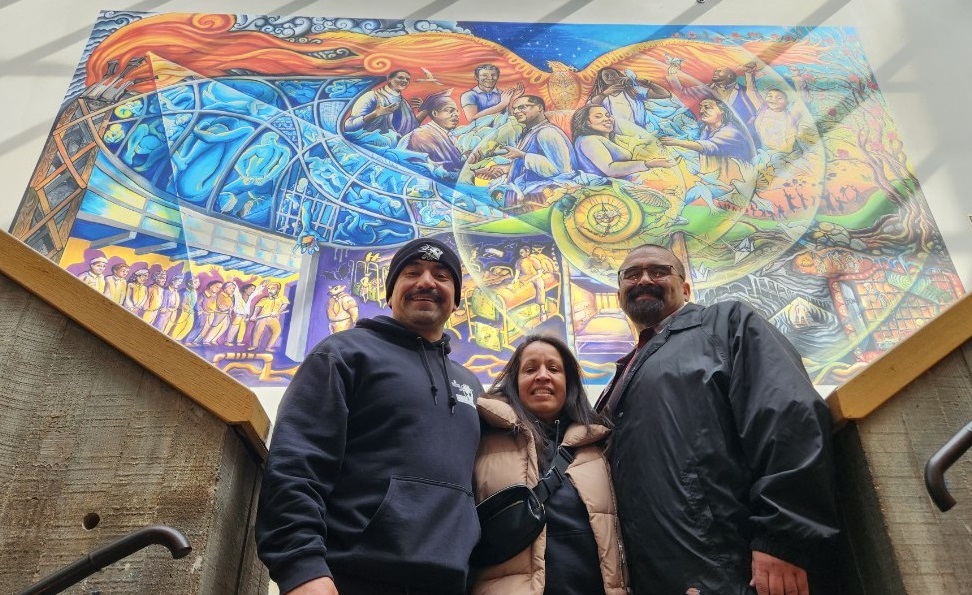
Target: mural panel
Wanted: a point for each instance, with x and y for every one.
(241, 182)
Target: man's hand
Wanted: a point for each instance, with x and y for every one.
(318, 586)
(512, 152)
(492, 172)
(616, 87)
(772, 576)
(384, 110)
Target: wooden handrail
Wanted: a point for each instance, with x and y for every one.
(886, 376)
(209, 387)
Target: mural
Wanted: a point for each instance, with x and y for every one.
(241, 182)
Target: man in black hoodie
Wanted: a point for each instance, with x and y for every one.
(368, 486)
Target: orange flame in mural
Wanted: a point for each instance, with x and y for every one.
(206, 45)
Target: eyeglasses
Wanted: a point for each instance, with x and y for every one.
(655, 272)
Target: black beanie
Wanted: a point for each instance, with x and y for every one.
(424, 249)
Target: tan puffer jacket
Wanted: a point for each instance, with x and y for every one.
(506, 458)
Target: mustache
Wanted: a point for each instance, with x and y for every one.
(424, 293)
(655, 291)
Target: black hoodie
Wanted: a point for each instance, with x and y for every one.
(370, 466)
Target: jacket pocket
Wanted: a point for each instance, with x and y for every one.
(424, 523)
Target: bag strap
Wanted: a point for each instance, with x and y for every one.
(556, 475)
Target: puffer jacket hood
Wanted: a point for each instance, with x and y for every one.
(495, 411)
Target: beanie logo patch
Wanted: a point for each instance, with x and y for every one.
(430, 252)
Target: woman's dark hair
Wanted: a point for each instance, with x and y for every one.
(579, 125)
(577, 408)
(601, 84)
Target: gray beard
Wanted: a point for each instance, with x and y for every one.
(645, 314)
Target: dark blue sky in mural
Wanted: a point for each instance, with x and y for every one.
(574, 45)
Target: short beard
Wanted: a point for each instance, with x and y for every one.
(645, 313)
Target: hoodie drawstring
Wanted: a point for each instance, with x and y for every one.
(428, 370)
(444, 364)
(445, 375)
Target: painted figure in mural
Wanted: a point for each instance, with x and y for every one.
(725, 146)
(186, 315)
(542, 151)
(201, 159)
(377, 415)
(153, 297)
(750, 448)
(240, 314)
(630, 100)
(247, 97)
(435, 138)
(267, 315)
(169, 308)
(598, 261)
(116, 284)
(250, 196)
(324, 173)
(593, 129)
(485, 99)
(781, 128)
(146, 146)
(94, 277)
(137, 292)
(365, 288)
(529, 270)
(724, 87)
(547, 264)
(222, 310)
(206, 309)
(359, 229)
(536, 406)
(374, 202)
(384, 109)
(342, 309)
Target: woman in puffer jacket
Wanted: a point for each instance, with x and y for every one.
(538, 403)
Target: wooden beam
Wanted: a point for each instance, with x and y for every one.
(210, 388)
(887, 375)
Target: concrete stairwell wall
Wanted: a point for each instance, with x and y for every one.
(94, 446)
(896, 414)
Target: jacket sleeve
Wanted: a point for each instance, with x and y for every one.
(306, 452)
(784, 426)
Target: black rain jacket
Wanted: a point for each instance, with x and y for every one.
(721, 446)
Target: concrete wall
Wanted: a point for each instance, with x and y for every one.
(85, 431)
(900, 541)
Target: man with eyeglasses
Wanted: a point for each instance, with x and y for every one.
(720, 455)
(542, 152)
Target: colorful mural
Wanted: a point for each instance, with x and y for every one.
(241, 182)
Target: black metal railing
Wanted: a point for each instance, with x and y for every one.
(939, 463)
(171, 538)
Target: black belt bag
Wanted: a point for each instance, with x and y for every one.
(511, 519)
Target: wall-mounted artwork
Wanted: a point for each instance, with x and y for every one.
(241, 182)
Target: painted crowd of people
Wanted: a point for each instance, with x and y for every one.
(628, 126)
(223, 313)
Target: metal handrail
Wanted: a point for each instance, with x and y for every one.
(941, 461)
(171, 538)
